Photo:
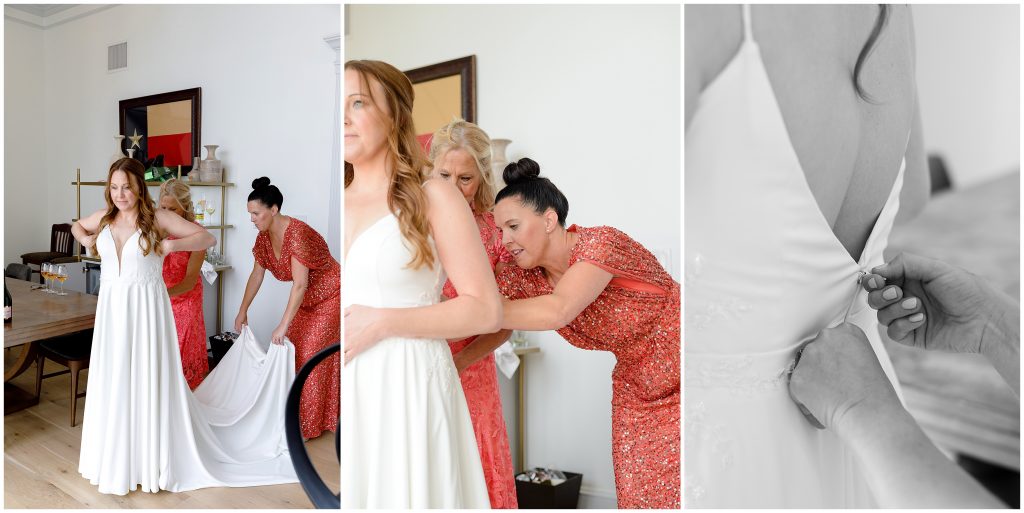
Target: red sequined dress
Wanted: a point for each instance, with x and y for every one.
(636, 317)
(188, 318)
(316, 325)
(480, 384)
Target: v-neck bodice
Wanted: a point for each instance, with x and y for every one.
(131, 264)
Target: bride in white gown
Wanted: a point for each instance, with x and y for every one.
(143, 427)
(406, 436)
(795, 175)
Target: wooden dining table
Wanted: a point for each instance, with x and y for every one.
(39, 316)
(959, 400)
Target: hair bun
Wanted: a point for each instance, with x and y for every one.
(523, 170)
(260, 182)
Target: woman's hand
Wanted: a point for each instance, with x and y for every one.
(88, 242)
(241, 319)
(929, 304)
(364, 327)
(277, 337)
(839, 381)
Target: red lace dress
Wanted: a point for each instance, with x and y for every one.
(316, 325)
(480, 384)
(636, 317)
(188, 319)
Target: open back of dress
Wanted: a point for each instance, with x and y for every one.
(764, 273)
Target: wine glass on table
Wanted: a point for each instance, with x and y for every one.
(61, 274)
(46, 272)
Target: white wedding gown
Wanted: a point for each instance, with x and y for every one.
(764, 273)
(143, 426)
(406, 436)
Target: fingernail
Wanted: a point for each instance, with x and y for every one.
(873, 283)
(910, 303)
(890, 293)
(918, 317)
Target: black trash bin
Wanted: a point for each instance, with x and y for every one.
(564, 495)
(219, 345)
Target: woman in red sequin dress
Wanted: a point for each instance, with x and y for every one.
(461, 153)
(600, 290)
(181, 275)
(292, 251)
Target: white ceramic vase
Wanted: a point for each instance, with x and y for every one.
(498, 159)
(118, 154)
(211, 168)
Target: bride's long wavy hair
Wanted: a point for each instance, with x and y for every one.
(869, 46)
(405, 157)
(149, 239)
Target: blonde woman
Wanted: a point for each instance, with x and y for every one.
(461, 154)
(404, 411)
(181, 275)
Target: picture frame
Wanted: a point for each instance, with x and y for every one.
(443, 91)
(167, 124)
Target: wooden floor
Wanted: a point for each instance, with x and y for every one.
(41, 463)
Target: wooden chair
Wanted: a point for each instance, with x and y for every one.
(71, 351)
(61, 246)
(18, 271)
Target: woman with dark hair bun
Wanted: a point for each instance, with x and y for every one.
(292, 251)
(600, 290)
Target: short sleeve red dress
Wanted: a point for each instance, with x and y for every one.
(317, 324)
(636, 317)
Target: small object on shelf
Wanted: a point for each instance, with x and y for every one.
(131, 153)
(498, 159)
(519, 339)
(200, 211)
(118, 154)
(158, 172)
(210, 168)
(193, 173)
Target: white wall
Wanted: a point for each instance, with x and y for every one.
(592, 94)
(968, 77)
(268, 81)
(25, 199)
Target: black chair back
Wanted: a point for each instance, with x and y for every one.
(61, 240)
(18, 271)
(315, 487)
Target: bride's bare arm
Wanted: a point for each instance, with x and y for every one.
(84, 230)
(476, 310)
(189, 236)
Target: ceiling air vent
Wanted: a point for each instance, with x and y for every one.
(117, 57)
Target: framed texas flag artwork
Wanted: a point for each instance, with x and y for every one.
(164, 124)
